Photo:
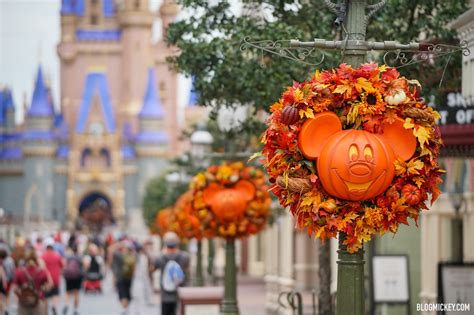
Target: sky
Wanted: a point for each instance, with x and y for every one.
(29, 34)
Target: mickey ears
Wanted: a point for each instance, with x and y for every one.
(402, 140)
(315, 132)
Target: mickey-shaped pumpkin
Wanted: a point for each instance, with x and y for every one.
(229, 203)
(354, 164)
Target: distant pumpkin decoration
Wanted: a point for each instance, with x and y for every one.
(188, 225)
(361, 157)
(231, 200)
(164, 221)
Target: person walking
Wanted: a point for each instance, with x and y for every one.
(7, 270)
(123, 269)
(93, 269)
(54, 264)
(30, 284)
(3, 284)
(173, 264)
(73, 275)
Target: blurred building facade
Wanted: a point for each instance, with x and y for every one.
(118, 120)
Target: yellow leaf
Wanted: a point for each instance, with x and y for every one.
(419, 181)
(414, 166)
(400, 167)
(308, 113)
(408, 123)
(382, 68)
(364, 84)
(298, 95)
(341, 89)
(422, 134)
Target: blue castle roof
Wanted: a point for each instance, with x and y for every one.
(152, 107)
(6, 103)
(96, 84)
(77, 7)
(41, 105)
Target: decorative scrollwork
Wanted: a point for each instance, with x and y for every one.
(427, 53)
(282, 49)
(294, 301)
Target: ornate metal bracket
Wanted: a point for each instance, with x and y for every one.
(294, 301)
(283, 48)
(426, 52)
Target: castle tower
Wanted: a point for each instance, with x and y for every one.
(136, 24)
(7, 112)
(168, 83)
(152, 141)
(39, 149)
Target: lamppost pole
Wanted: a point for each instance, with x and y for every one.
(199, 279)
(229, 304)
(350, 271)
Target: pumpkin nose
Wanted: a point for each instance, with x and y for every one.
(360, 169)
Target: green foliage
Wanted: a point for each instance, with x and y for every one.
(160, 194)
(210, 40)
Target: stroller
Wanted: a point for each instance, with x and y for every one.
(93, 274)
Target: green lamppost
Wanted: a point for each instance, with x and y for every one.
(229, 305)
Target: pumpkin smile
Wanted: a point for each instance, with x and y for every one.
(352, 187)
(358, 189)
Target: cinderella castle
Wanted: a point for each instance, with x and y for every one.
(118, 120)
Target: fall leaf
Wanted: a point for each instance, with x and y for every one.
(308, 113)
(422, 134)
(363, 84)
(414, 166)
(408, 123)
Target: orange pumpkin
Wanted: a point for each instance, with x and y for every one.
(229, 203)
(354, 164)
(412, 194)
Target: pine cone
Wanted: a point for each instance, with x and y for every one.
(420, 114)
(295, 184)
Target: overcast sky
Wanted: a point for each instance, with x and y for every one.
(29, 33)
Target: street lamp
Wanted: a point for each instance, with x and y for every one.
(201, 146)
(457, 243)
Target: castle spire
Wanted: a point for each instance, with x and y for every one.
(40, 104)
(152, 107)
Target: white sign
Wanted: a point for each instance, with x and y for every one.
(458, 285)
(390, 279)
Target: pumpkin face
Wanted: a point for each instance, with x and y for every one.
(229, 203)
(354, 164)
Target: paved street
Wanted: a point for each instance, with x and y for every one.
(251, 297)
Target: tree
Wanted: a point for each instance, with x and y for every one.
(160, 194)
(210, 38)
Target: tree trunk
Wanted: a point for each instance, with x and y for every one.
(324, 294)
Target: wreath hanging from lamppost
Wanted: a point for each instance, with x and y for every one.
(353, 150)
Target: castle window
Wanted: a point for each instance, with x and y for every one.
(86, 157)
(94, 19)
(137, 4)
(94, 2)
(105, 157)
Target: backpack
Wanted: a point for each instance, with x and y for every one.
(128, 267)
(172, 276)
(28, 296)
(72, 271)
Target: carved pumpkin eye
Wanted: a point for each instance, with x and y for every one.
(368, 153)
(353, 152)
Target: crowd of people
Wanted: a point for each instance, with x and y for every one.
(33, 270)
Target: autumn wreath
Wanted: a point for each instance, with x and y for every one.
(188, 225)
(353, 151)
(231, 200)
(164, 221)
